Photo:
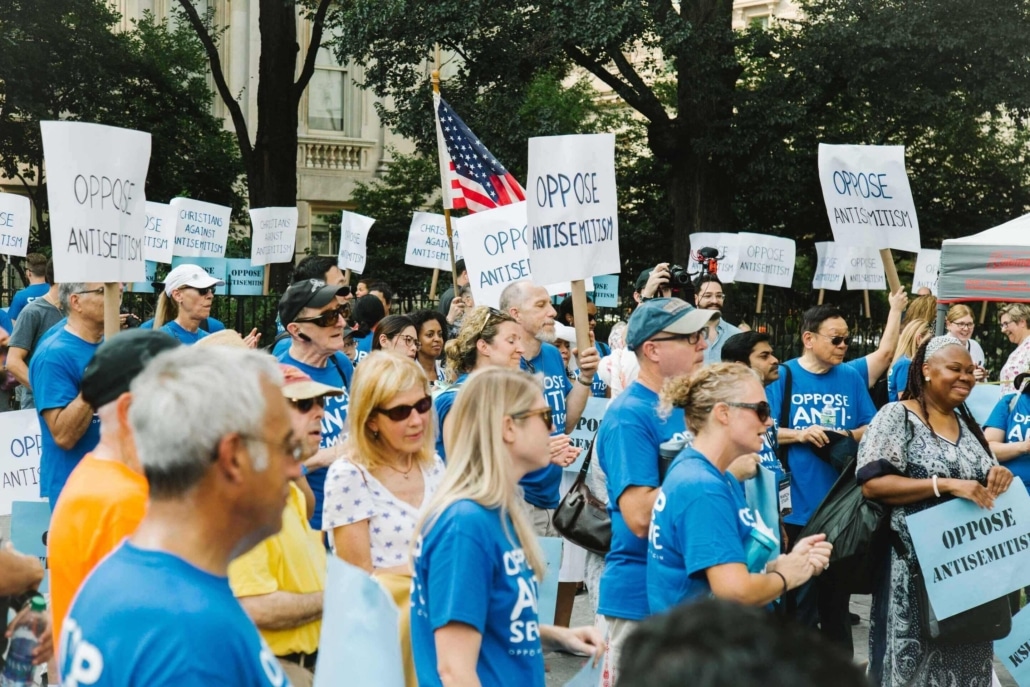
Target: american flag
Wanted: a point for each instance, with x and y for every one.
(471, 177)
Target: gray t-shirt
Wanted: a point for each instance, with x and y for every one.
(32, 323)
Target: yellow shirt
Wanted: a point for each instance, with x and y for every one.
(291, 561)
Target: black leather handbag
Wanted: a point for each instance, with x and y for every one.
(581, 517)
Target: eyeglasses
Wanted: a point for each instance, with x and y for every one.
(204, 291)
(401, 413)
(714, 296)
(409, 341)
(691, 339)
(293, 447)
(328, 318)
(305, 405)
(835, 340)
(1005, 325)
(546, 414)
(963, 325)
(761, 408)
(99, 289)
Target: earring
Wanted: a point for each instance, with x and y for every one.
(375, 434)
(926, 379)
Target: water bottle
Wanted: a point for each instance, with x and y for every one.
(18, 671)
(828, 416)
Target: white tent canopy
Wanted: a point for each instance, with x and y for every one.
(993, 265)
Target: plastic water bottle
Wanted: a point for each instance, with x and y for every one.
(18, 671)
(828, 416)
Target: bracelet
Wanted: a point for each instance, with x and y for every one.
(588, 385)
(936, 491)
(777, 572)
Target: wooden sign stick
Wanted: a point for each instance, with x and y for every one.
(112, 304)
(579, 314)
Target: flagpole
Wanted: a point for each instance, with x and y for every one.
(444, 190)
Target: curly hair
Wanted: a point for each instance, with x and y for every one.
(698, 393)
(481, 323)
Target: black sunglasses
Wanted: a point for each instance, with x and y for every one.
(401, 413)
(328, 318)
(546, 414)
(835, 340)
(204, 291)
(761, 408)
(306, 404)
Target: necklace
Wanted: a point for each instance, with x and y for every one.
(404, 473)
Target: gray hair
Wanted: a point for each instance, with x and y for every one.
(186, 400)
(1019, 312)
(65, 291)
(513, 296)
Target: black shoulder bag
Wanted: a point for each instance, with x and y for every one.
(581, 517)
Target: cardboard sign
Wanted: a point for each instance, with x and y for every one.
(273, 235)
(829, 267)
(868, 197)
(216, 267)
(427, 243)
(729, 252)
(15, 222)
(201, 229)
(1014, 650)
(353, 241)
(863, 269)
(606, 291)
(928, 266)
(243, 278)
(583, 434)
(20, 450)
(147, 285)
(970, 555)
(159, 234)
(764, 259)
(95, 185)
(30, 523)
(572, 209)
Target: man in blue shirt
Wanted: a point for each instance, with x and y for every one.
(68, 424)
(35, 270)
(667, 335)
(754, 350)
(314, 319)
(159, 609)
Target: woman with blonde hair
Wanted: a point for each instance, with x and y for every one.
(1015, 324)
(915, 334)
(186, 302)
(477, 563)
(388, 472)
(959, 323)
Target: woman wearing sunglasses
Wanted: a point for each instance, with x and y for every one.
(374, 494)
(186, 302)
(477, 563)
(701, 527)
(397, 334)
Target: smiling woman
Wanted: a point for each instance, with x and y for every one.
(1015, 324)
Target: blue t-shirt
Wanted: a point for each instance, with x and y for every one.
(861, 366)
(723, 331)
(848, 392)
(363, 346)
(540, 487)
(150, 618)
(24, 297)
(598, 388)
(282, 346)
(771, 445)
(1016, 426)
(468, 571)
(700, 520)
(897, 378)
(185, 337)
(58, 327)
(55, 371)
(627, 450)
(213, 325)
(5, 322)
(338, 375)
(442, 403)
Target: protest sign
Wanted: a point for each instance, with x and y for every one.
(868, 198)
(30, 523)
(572, 213)
(547, 591)
(764, 259)
(589, 675)
(95, 180)
(969, 555)
(1014, 650)
(427, 243)
(763, 498)
(928, 264)
(216, 267)
(863, 269)
(728, 246)
(582, 435)
(201, 229)
(147, 285)
(159, 234)
(353, 240)
(20, 450)
(829, 268)
(244, 279)
(273, 235)
(15, 221)
(606, 291)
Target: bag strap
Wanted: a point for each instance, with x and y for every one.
(788, 387)
(582, 476)
(339, 369)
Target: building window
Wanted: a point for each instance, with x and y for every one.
(332, 97)
(761, 22)
(325, 232)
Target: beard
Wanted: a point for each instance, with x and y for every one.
(546, 336)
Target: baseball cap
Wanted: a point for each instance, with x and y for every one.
(118, 361)
(672, 315)
(310, 293)
(189, 275)
(298, 386)
(641, 281)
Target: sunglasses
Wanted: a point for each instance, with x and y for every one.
(305, 405)
(546, 414)
(401, 413)
(835, 340)
(328, 318)
(761, 408)
(689, 338)
(204, 291)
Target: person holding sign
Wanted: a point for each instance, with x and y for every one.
(959, 323)
(915, 453)
(477, 563)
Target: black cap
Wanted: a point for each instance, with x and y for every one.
(310, 293)
(641, 281)
(117, 362)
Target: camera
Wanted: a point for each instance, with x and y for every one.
(131, 321)
(678, 275)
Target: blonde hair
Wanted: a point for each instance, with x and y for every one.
(167, 310)
(380, 378)
(698, 393)
(959, 310)
(922, 308)
(1019, 312)
(912, 337)
(479, 465)
(461, 352)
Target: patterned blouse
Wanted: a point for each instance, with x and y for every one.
(1018, 362)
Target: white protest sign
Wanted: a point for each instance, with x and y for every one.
(868, 198)
(928, 265)
(273, 235)
(572, 213)
(765, 259)
(20, 451)
(353, 240)
(427, 243)
(201, 229)
(863, 269)
(159, 235)
(829, 267)
(728, 246)
(15, 220)
(95, 180)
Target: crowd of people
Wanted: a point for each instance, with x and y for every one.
(199, 481)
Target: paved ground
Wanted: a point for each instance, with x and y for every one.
(561, 668)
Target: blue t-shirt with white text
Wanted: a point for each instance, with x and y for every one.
(363, 346)
(897, 378)
(442, 403)
(540, 487)
(24, 297)
(1016, 426)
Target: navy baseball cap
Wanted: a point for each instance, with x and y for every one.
(118, 361)
(672, 315)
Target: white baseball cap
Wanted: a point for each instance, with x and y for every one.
(189, 275)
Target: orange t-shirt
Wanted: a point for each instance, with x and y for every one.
(102, 503)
